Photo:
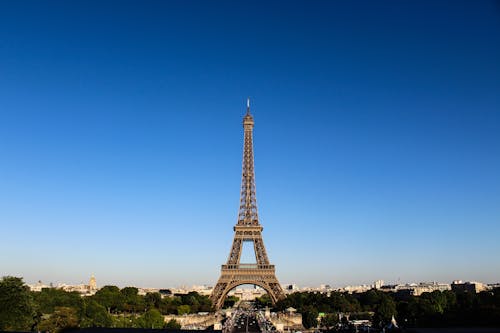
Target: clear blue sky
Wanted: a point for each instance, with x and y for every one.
(377, 139)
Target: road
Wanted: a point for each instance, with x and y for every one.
(246, 322)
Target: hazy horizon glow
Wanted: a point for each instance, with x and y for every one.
(377, 139)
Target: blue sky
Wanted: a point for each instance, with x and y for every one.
(377, 139)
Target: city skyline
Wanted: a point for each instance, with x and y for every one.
(38, 285)
(377, 140)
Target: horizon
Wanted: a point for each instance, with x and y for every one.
(376, 139)
(246, 286)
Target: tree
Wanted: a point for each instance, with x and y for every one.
(330, 320)
(133, 301)
(309, 317)
(16, 305)
(173, 325)
(438, 301)
(169, 305)
(370, 299)
(183, 309)
(95, 315)
(384, 311)
(110, 297)
(263, 301)
(205, 304)
(196, 301)
(230, 301)
(151, 319)
(153, 300)
(62, 318)
(50, 298)
(125, 321)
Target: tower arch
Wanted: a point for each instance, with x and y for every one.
(235, 284)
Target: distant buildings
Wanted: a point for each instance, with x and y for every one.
(378, 284)
(247, 294)
(357, 289)
(414, 289)
(417, 289)
(290, 288)
(471, 286)
(200, 289)
(38, 286)
(422, 287)
(83, 289)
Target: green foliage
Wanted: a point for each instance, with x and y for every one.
(309, 317)
(53, 309)
(50, 298)
(196, 302)
(111, 298)
(151, 319)
(183, 309)
(230, 301)
(95, 315)
(384, 310)
(61, 318)
(17, 311)
(133, 302)
(173, 325)
(436, 309)
(336, 302)
(130, 293)
(330, 320)
(122, 321)
(152, 300)
(263, 301)
(169, 305)
(370, 299)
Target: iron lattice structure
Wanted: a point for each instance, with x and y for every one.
(248, 228)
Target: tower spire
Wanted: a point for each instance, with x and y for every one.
(248, 105)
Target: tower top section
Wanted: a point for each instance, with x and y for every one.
(247, 215)
(248, 119)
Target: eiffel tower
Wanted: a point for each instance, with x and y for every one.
(248, 228)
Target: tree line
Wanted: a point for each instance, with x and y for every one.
(53, 309)
(435, 309)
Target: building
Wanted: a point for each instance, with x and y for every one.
(92, 283)
(38, 286)
(290, 288)
(247, 294)
(422, 287)
(378, 284)
(470, 286)
(356, 289)
(83, 289)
